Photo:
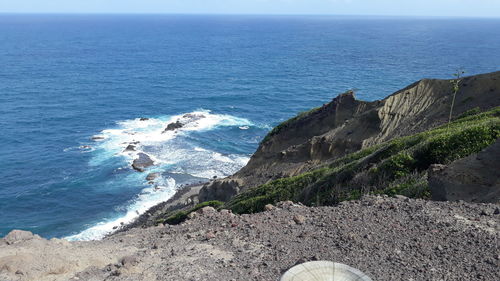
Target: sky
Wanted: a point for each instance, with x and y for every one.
(459, 8)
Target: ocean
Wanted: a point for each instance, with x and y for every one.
(73, 90)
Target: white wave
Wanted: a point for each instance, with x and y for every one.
(151, 132)
(150, 137)
(148, 198)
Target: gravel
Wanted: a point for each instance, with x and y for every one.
(386, 238)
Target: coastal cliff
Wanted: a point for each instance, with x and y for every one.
(350, 181)
(346, 125)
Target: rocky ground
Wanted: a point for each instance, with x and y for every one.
(387, 238)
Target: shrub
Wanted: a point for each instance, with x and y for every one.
(181, 216)
(414, 185)
(470, 112)
(398, 165)
(456, 144)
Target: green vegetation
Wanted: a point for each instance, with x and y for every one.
(470, 112)
(395, 167)
(181, 216)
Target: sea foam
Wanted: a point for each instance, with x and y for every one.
(172, 153)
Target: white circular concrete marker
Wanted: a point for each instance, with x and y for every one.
(324, 271)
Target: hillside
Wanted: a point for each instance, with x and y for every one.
(346, 125)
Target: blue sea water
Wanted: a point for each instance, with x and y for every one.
(67, 78)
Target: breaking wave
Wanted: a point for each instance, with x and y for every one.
(178, 159)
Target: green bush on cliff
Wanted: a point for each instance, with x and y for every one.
(181, 216)
(470, 112)
(394, 167)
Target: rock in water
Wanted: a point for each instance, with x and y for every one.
(130, 147)
(142, 162)
(19, 235)
(173, 126)
(193, 117)
(143, 119)
(152, 176)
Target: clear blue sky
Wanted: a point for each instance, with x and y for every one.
(471, 8)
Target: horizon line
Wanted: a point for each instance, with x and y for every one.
(250, 14)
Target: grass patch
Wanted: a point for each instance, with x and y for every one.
(469, 112)
(181, 216)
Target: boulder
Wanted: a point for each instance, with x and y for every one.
(141, 163)
(19, 235)
(207, 210)
(221, 190)
(475, 178)
(143, 119)
(129, 261)
(268, 207)
(299, 219)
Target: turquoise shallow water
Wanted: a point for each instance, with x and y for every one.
(64, 79)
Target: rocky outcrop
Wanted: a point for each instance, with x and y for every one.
(142, 162)
(346, 125)
(16, 236)
(173, 126)
(183, 121)
(475, 178)
(222, 190)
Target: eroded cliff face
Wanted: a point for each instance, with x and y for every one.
(346, 125)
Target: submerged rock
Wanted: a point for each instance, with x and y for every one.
(141, 163)
(152, 176)
(143, 119)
